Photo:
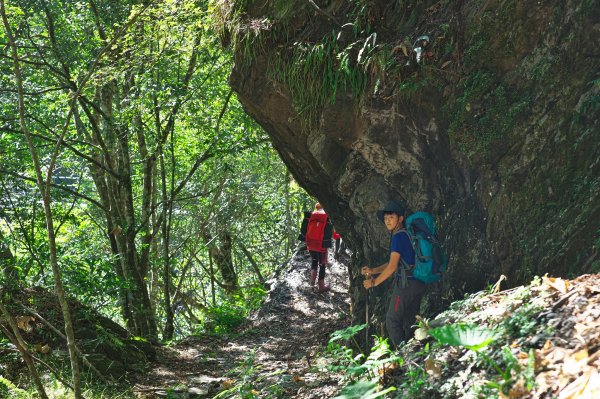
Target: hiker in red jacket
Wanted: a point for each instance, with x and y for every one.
(317, 231)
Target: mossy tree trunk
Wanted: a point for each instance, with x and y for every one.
(221, 254)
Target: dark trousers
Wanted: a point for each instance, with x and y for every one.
(319, 259)
(403, 308)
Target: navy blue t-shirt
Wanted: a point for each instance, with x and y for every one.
(401, 243)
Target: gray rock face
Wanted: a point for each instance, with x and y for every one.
(495, 132)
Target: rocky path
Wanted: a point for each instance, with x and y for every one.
(275, 355)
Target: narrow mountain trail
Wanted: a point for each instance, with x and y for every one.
(272, 355)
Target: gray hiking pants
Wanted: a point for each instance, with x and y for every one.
(402, 309)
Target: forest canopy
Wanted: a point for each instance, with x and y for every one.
(130, 177)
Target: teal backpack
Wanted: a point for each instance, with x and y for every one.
(430, 261)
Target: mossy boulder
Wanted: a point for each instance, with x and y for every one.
(106, 345)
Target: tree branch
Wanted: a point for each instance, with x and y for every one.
(63, 188)
(63, 336)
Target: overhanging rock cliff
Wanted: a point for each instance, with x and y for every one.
(494, 129)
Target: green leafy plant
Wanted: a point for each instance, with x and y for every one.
(254, 296)
(514, 372)
(363, 390)
(10, 390)
(414, 380)
(476, 338)
(356, 366)
(228, 315)
(347, 334)
(522, 321)
(224, 318)
(470, 336)
(343, 358)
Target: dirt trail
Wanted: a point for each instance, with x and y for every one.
(271, 355)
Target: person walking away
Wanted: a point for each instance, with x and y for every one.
(337, 238)
(407, 291)
(318, 236)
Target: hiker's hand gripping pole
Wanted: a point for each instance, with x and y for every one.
(369, 277)
(369, 281)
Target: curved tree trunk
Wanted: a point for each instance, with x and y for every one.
(44, 188)
(17, 340)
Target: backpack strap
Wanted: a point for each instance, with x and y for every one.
(404, 267)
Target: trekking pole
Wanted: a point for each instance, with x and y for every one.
(367, 313)
(367, 321)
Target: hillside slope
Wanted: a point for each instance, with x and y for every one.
(546, 345)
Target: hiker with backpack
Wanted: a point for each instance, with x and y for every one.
(411, 270)
(317, 232)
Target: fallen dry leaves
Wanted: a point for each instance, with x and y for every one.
(558, 284)
(571, 370)
(586, 386)
(23, 323)
(570, 373)
(564, 342)
(433, 368)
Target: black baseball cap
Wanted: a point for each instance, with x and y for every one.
(391, 206)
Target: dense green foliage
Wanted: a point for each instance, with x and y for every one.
(170, 207)
(342, 59)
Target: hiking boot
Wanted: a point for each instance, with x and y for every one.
(313, 277)
(323, 287)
